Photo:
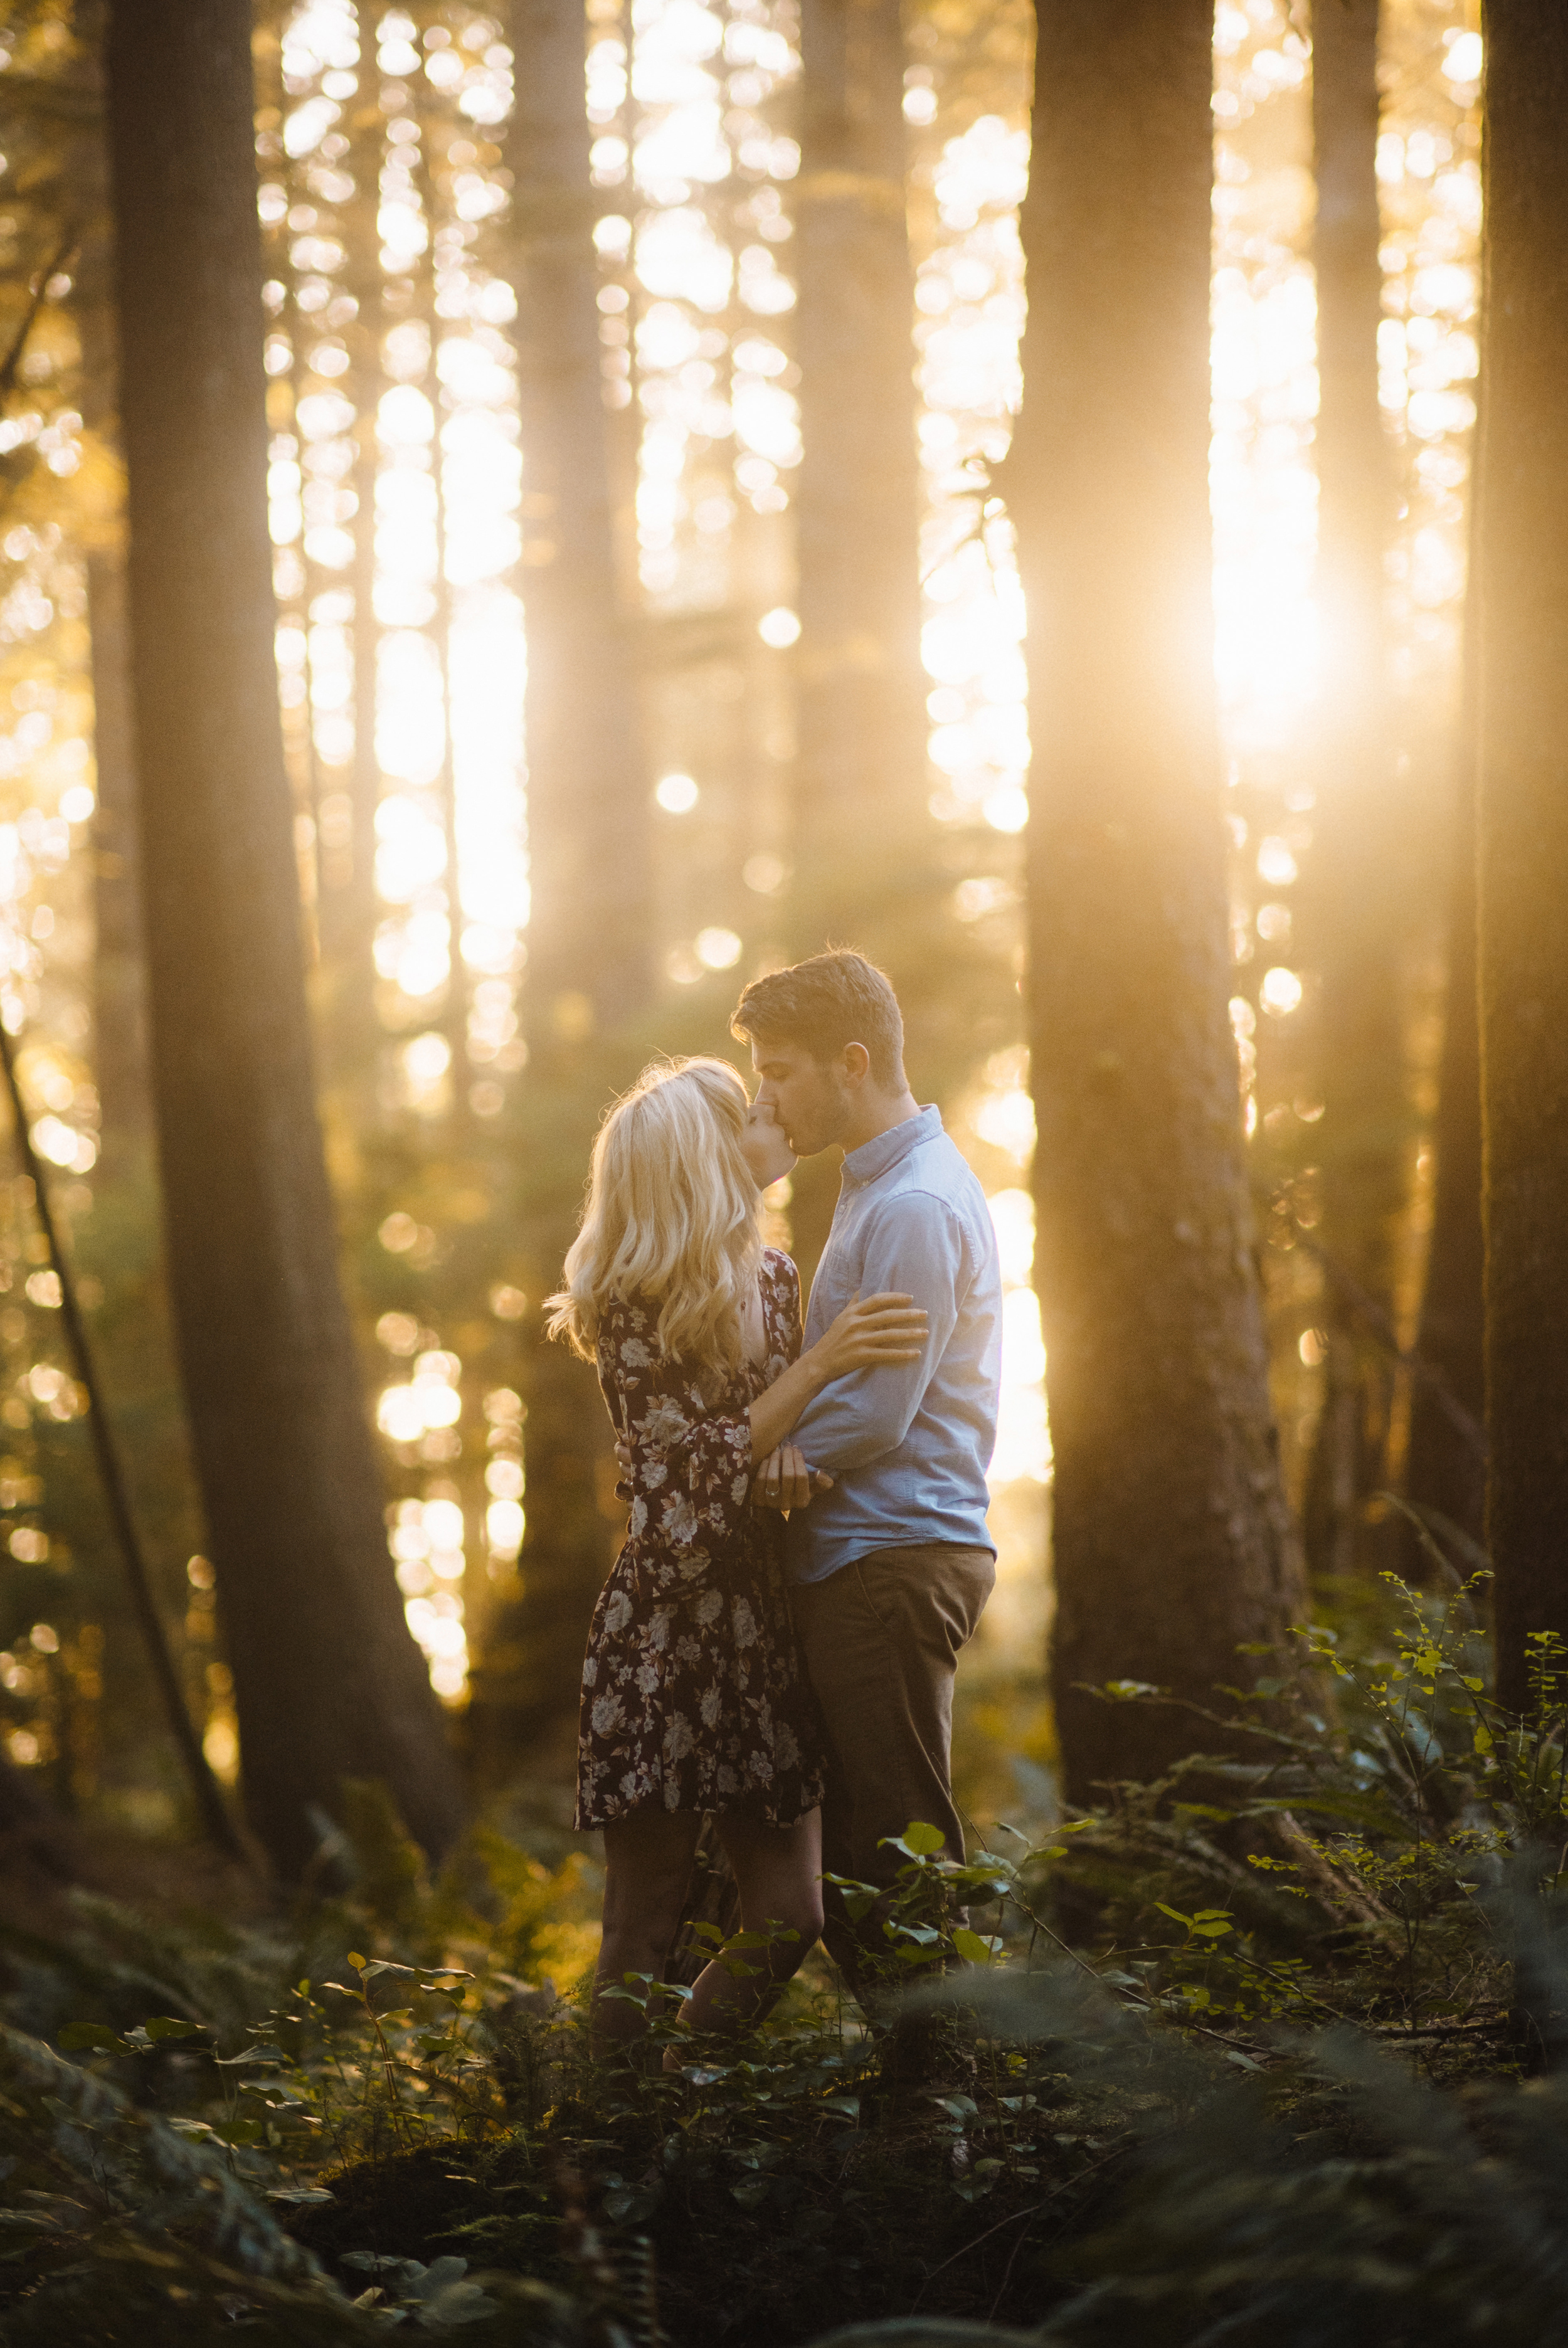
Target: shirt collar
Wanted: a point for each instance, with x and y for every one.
(874, 1158)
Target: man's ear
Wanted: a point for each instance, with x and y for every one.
(857, 1064)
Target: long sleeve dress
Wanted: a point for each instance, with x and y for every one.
(694, 1695)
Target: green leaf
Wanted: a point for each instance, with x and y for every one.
(166, 2025)
(356, 1961)
(970, 1945)
(95, 2035)
(921, 1840)
(753, 2192)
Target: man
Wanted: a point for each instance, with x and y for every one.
(894, 1565)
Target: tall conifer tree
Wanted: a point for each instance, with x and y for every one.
(1172, 1545)
(1447, 1469)
(589, 936)
(328, 1683)
(1351, 909)
(861, 770)
(1522, 580)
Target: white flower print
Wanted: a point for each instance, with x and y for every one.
(678, 1737)
(664, 1424)
(634, 1354)
(659, 1630)
(618, 1612)
(648, 1679)
(607, 1714)
(654, 1474)
(711, 1705)
(787, 1746)
(589, 1671)
(743, 1624)
(709, 1607)
(740, 1489)
(678, 1519)
(638, 1519)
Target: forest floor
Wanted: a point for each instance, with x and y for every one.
(1197, 2072)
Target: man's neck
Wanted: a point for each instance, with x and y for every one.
(877, 1115)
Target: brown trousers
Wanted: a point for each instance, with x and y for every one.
(882, 1638)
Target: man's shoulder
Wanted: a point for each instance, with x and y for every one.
(938, 1171)
(936, 1211)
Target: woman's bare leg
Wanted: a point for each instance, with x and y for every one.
(647, 1867)
(779, 1870)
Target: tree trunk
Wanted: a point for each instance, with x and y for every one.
(119, 978)
(1351, 912)
(1171, 1541)
(328, 1683)
(1447, 1466)
(860, 777)
(862, 726)
(589, 943)
(119, 984)
(347, 910)
(591, 922)
(1522, 583)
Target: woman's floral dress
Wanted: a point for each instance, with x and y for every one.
(694, 1693)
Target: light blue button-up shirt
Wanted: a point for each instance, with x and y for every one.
(907, 1442)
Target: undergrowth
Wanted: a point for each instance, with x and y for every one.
(1265, 2051)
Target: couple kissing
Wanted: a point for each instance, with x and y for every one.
(807, 1549)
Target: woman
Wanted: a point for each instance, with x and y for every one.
(694, 1696)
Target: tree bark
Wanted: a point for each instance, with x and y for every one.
(591, 942)
(119, 981)
(1352, 914)
(1522, 583)
(119, 978)
(861, 774)
(328, 1683)
(590, 925)
(1172, 1545)
(347, 909)
(862, 725)
(1447, 1472)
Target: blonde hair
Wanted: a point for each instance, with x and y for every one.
(672, 1214)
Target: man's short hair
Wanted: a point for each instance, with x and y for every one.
(833, 999)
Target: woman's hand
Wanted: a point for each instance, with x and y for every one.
(785, 1481)
(872, 1330)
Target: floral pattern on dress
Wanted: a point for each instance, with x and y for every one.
(695, 1694)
